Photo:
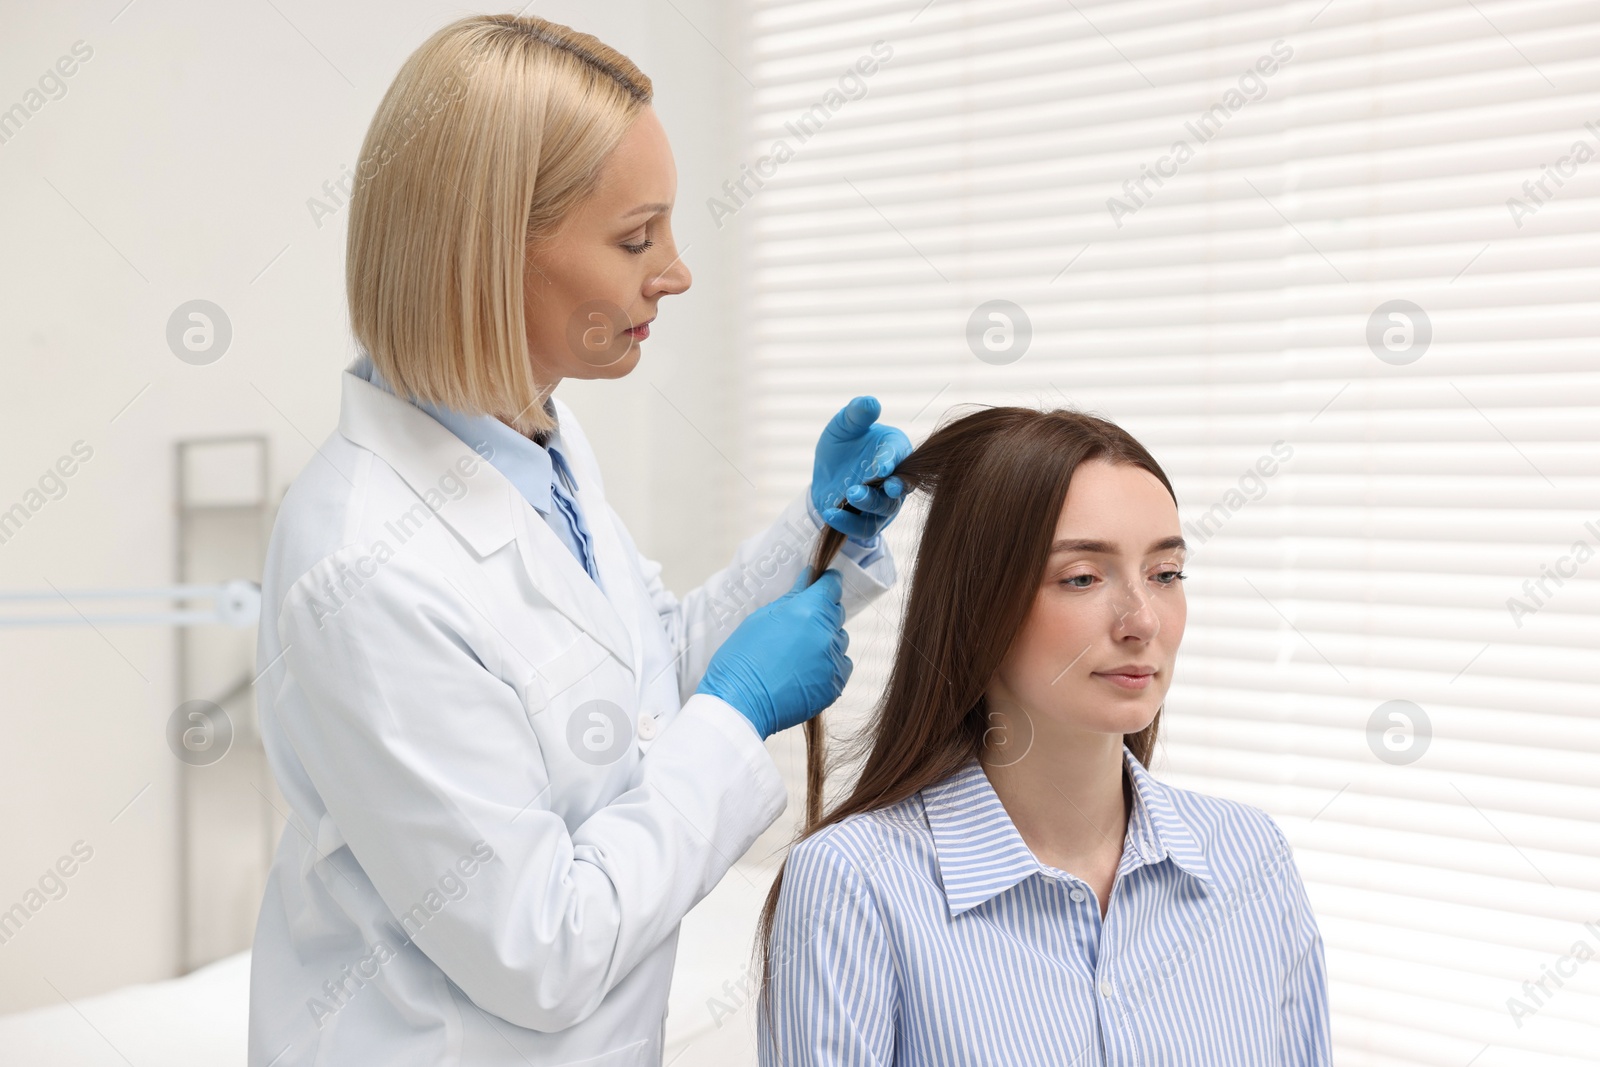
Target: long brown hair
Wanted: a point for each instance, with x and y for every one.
(996, 481)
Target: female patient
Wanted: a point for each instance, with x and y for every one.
(1006, 882)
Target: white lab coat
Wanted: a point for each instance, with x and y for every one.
(469, 875)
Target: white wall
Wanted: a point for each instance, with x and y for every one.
(178, 165)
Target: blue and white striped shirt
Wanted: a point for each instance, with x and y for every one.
(926, 934)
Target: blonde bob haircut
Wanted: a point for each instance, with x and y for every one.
(494, 129)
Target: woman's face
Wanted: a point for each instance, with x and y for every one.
(1095, 654)
(592, 287)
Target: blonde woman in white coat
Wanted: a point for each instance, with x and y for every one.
(513, 760)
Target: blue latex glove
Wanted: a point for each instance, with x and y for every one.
(854, 447)
(785, 662)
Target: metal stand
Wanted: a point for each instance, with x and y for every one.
(227, 822)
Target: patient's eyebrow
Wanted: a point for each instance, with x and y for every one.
(1106, 548)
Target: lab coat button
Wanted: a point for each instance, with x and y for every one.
(647, 727)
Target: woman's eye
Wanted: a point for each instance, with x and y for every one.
(1170, 577)
(638, 248)
(1079, 581)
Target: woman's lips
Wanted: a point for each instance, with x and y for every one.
(1127, 681)
(639, 332)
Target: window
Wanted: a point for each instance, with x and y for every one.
(1336, 265)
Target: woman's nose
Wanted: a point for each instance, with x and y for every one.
(1135, 616)
(672, 279)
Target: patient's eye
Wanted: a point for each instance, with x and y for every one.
(1170, 577)
(1078, 581)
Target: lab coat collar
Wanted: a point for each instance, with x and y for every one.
(425, 454)
(528, 465)
(492, 512)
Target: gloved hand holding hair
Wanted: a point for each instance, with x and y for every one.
(786, 661)
(852, 482)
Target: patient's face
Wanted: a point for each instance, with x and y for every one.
(1095, 654)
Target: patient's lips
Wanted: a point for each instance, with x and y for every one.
(1128, 676)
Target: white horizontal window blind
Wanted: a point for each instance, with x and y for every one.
(1337, 265)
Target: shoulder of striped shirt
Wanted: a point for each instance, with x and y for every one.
(866, 838)
(1220, 821)
(1243, 847)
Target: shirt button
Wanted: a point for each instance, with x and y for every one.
(1105, 987)
(647, 727)
(1077, 896)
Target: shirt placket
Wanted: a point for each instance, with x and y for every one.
(1098, 942)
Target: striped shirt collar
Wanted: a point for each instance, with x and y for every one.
(981, 854)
